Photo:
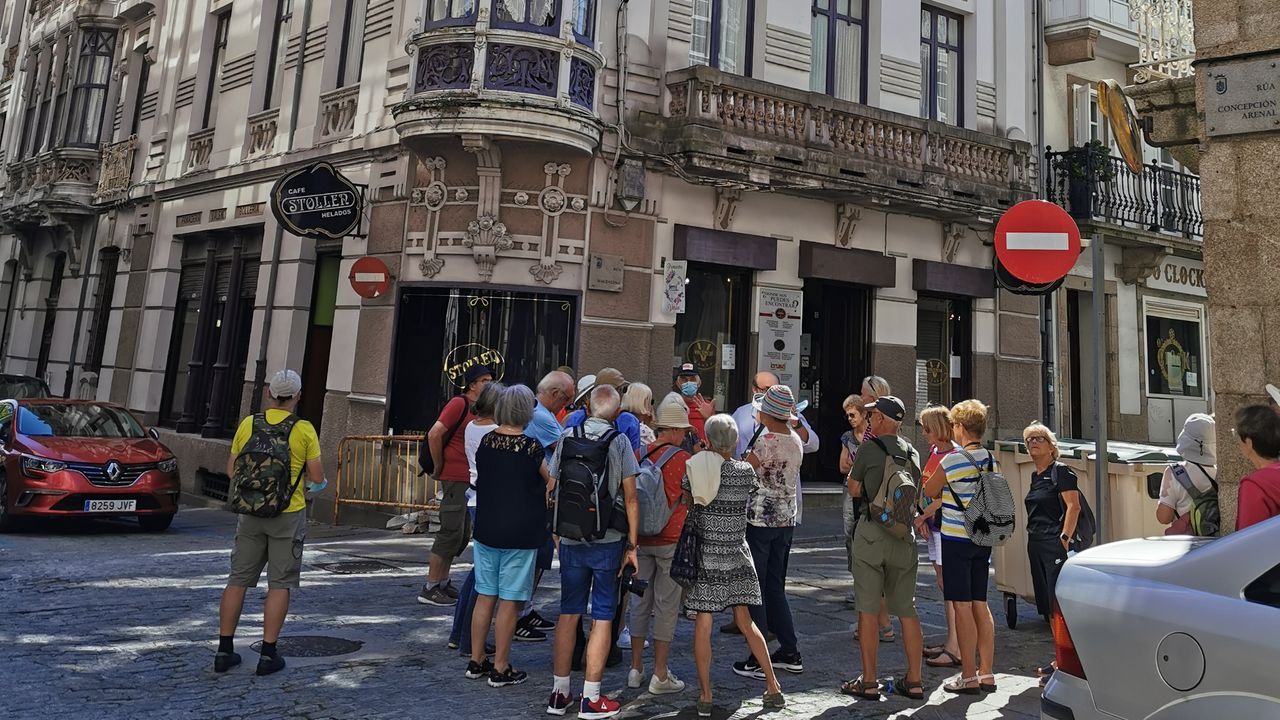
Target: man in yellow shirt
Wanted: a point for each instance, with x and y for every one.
(271, 542)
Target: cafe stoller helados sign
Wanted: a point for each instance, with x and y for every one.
(464, 357)
(318, 202)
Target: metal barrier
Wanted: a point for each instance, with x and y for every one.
(382, 471)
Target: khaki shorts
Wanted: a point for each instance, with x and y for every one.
(455, 521)
(883, 566)
(274, 543)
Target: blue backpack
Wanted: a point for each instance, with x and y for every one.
(655, 511)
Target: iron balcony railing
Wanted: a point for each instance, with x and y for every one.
(1093, 185)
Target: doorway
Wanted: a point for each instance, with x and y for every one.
(1080, 346)
(944, 355)
(714, 332)
(315, 364)
(835, 350)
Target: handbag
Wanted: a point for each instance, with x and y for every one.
(686, 564)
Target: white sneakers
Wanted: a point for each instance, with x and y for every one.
(670, 686)
(624, 640)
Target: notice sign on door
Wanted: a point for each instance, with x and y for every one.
(779, 327)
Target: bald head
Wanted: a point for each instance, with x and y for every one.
(555, 391)
(763, 381)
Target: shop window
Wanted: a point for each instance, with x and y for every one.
(941, 65)
(93, 79)
(451, 12)
(439, 332)
(943, 355)
(838, 60)
(1175, 357)
(717, 316)
(722, 35)
(536, 15)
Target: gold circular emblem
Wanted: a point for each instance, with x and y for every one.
(937, 372)
(1171, 345)
(702, 353)
(465, 357)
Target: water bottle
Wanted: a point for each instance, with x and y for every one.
(886, 686)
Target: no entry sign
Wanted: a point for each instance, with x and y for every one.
(1037, 241)
(370, 277)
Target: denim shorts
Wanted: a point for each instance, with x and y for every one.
(590, 570)
(505, 574)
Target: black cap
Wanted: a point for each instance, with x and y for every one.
(687, 370)
(476, 372)
(889, 406)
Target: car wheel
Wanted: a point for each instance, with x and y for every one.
(1011, 610)
(155, 523)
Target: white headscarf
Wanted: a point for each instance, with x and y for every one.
(704, 476)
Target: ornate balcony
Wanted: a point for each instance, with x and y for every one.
(1095, 186)
(338, 112)
(260, 133)
(117, 169)
(63, 177)
(199, 148)
(758, 135)
(491, 80)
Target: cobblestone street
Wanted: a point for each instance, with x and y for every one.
(104, 621)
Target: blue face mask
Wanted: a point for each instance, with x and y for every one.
(689, 389)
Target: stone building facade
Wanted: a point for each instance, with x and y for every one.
(546, 180)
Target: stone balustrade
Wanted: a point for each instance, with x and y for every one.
(260, 133)
(338, 112)
(199, 148)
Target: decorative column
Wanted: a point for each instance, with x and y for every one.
(226, 346)
(196, 366)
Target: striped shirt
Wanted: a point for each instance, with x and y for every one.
(962, 476)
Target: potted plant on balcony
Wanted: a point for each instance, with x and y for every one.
(1084, 168)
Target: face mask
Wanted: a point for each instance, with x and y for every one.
(689, 389)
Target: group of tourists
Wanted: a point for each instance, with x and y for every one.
(693, 513)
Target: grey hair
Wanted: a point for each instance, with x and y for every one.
(515, 406)
(879, 386)
(487, 403)
(638, 400)
(605, 402)
(554, 380)
(722, 433)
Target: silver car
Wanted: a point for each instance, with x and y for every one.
(1170, 628)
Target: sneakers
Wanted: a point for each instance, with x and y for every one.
(749, 668)
(527, 632)
(451, 591)
(624, 639)
(559, 704)
(790, 662)
(635, 678)
(670, 686)
(438, 596)
(223, 662)
(510, 676)
(268, 664)
(537, 622)
(598, 709)
(477, 670)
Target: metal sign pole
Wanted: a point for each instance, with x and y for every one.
(1101, 480)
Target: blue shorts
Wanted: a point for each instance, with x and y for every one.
(507, 574)
(590, 570)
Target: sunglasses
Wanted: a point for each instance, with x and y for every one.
(1036, 440)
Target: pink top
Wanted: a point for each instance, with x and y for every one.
(1259, 497)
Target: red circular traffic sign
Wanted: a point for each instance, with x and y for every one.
(1037, 241)
(370, 277)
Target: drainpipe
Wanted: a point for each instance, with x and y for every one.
(260, 370)
(85, 274)
(1049, 308)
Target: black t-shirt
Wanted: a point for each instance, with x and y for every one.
(510, 492)
(1045, 508)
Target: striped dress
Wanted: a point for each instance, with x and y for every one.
(962, 479)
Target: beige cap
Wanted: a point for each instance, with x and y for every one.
(610, 376)
(672, 412)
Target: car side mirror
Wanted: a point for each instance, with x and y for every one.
(153, 433)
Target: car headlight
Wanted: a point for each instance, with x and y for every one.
(168, 466)
(33, 464)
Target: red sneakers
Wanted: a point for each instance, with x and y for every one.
(558, 704)
(598, 710)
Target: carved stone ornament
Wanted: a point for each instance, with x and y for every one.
(847, 217)
(1137, 263)
(552, 200)
(952, 235)
(726, 205)
(486, 237)
(578, 204)
(433, 196)
(522, 198)
(431, 267)
(546, 272)
(461, 195)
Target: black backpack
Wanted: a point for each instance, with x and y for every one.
(427, 466)
(1086, 523)
(585, 507)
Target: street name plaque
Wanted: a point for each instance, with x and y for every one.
(1242, 97)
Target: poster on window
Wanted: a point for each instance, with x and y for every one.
(780, 313)
(673, 286)
(1173, 357)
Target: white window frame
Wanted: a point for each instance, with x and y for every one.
(1177, 310)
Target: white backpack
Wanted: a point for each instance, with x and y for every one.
(655, 511)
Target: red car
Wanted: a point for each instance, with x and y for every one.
(73, 458)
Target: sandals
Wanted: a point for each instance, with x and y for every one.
(960, 686)
(935, 651)
(860, 688)
(774, 701)
(987, 687)
(938, 662)
(909, 690)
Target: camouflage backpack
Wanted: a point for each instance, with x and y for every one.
(262, 484)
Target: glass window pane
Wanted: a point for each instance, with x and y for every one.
(948, 87)
(848, 68)
(926, 24)
(733, 36)
(822, 4)
(855, 9)
(543, 13)
(700, 40)
(463, 8)
(941, 36)
(818, 55)
(926, 87)
(511, 10)
(953, 32)
(842, 7)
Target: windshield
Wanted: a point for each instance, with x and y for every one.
(77, 421)
(17, 388)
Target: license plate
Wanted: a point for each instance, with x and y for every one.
(110, 505)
